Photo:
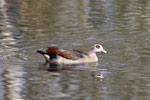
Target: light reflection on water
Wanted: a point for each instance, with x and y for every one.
(121, 26)
(13, 82)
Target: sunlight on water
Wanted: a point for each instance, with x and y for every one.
(14, 82)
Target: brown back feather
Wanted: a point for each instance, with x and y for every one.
(68, 54)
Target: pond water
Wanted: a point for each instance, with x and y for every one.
(121, 26)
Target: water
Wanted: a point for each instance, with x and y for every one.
(122, 27)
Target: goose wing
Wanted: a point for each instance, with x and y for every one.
(66, 53)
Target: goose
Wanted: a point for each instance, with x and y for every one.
(70, 56)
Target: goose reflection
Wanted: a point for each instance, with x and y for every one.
(95, 72)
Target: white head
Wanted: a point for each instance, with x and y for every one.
(98, 48)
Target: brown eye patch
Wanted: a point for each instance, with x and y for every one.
(92, 48)
(97, 46)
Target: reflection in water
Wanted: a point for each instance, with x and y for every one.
(68, 82)
(13, 82)
(2, 90)
(95, 72)
(58, 67)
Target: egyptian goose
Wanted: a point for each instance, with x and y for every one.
(70, 56)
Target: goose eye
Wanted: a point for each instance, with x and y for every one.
(97, 46)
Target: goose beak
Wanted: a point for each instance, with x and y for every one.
(104, 52)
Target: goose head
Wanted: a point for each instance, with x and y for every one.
(98, 48)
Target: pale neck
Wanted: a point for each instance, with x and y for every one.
(92, 54)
